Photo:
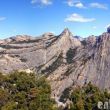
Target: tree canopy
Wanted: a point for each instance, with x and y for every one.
(87, 97)
(22, 91)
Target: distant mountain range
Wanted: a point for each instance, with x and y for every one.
(67, 61)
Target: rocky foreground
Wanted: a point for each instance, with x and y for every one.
(66, 60)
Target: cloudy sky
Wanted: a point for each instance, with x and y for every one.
(34, 17)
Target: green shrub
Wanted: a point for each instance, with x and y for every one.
(22, 91)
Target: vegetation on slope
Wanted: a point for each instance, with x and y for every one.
(70, 55)
(87, 97)
(54, 65)
(22, 91)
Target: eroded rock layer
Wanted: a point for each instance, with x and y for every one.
(66, 60)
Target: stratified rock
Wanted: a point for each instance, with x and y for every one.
(66, 60)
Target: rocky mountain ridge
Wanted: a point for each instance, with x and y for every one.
(67, 61)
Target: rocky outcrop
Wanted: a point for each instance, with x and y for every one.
(67, 61)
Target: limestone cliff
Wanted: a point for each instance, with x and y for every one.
(66, 60)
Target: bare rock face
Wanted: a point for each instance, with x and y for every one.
(66, 60)
(91, 40)
(27, 52)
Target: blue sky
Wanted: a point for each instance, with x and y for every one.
(35, 17)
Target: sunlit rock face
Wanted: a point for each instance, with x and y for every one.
(67, 61)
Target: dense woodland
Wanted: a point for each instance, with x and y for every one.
(22, 91)
(87, 97)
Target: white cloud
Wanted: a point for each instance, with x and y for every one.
(107, 26)
(75, 3)
(2, 18)
(42, 2)
(98, 5)
(79, 5)
(70, 3)
(78, 18)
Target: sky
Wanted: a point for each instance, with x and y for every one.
(35, 17)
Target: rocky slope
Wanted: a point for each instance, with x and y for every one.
(66, 60)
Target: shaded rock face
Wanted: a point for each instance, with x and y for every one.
(66, 60)
(108, 29)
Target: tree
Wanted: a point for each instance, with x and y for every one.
(87, 97)
(22, 91)
(4, 96)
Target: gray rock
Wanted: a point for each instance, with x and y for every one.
(90, 59)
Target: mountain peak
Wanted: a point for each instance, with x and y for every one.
(67, 61)
(66, 32)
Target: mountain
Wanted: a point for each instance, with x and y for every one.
(67, 61)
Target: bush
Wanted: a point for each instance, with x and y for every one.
(87, 97)
(22, 91)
